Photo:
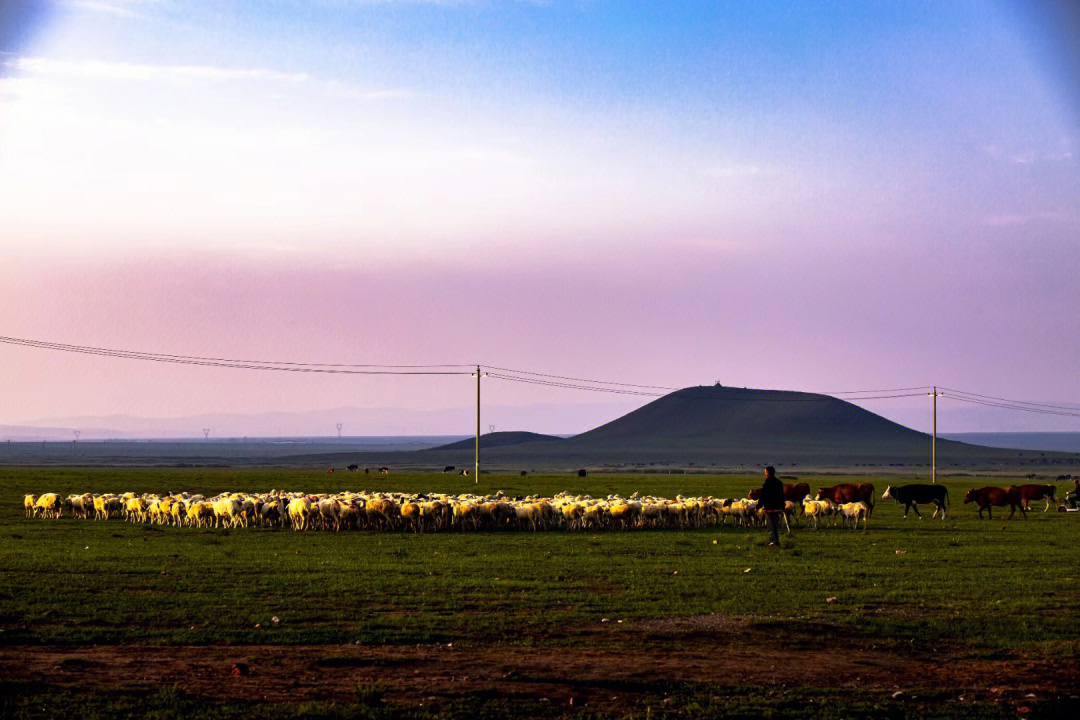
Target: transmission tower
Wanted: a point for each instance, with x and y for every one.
(339, 431)
(206, 433)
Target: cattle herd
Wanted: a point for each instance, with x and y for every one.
(847, 504)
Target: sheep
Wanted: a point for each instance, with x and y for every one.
(432, 512)
(299, 512)
(226, 512)
(383, 512)
(625, 514)
(200, 514)
(815, 510)
(49, 505)
(410, 515)
(329, 514)
(80, 505)
(271, 513)
(853, 512)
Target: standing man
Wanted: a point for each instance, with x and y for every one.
(772, 501)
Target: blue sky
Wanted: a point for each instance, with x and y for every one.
(887, 191)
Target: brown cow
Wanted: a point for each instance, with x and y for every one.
(793, 492)
(1036, 492)
(848, 493)
(988, 497)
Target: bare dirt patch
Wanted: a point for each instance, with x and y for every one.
(608, 668)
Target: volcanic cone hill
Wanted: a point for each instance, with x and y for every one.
(715, 425)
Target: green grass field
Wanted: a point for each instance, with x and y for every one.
(976, 591)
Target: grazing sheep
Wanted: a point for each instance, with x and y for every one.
(853, 512)
(49, 505)
(299, 513)
(815, 510)
(430, 512)
(382, 511)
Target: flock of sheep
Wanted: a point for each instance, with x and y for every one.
(432, 512)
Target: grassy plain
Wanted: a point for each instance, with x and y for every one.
(962, 598)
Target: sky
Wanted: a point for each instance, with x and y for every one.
(818, 196)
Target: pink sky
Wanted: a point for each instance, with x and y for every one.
(819, 199)
(848, 319)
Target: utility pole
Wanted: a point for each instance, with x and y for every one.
(933, 438)
(476, 468)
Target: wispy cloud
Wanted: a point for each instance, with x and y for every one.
(63, 69)
(102, 70)
(118, 8)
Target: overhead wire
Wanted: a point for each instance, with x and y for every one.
(1006, 406)
(533, 378)
(1015, 402)
(581, 380)
(241, 364)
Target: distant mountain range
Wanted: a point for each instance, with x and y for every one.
(705, 426)
(547, 418)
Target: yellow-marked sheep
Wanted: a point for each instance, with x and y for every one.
(49, 505)
(135, 508)
(299, 513)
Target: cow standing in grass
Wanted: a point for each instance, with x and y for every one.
(910, 496)
(1036, 492)
(989, 497)
(849, 493)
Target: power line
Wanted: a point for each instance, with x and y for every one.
(581, 380)
(90, 348)
(238, 364)
(733, 393)
(1015, 402)
(531, 377)
(667, 387)
(1006, 406)
(571, 386)
(887, 390)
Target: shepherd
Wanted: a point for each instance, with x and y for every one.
(772, 502)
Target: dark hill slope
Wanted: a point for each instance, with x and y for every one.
(499, 439)
(703, 416)
(744, 426)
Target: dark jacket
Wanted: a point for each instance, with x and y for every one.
(772, 494)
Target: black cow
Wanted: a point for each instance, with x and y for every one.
(448, 468)
(912, 495)
(352, 468)
(582, 472)
(524, 473)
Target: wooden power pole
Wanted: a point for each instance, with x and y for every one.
(933, 440)
(476, 467)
